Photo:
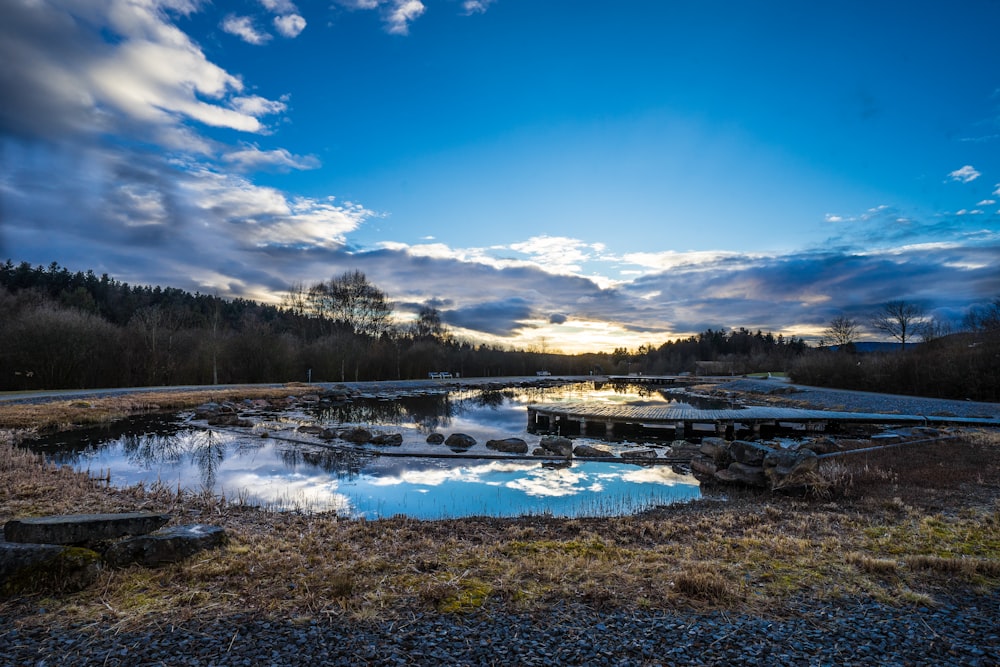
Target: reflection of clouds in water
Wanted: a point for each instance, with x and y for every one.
(312, 492)
(656, 475)
(546, 482)
(438, 476)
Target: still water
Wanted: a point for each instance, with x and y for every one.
(276, 465)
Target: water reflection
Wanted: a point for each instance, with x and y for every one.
(289, 469)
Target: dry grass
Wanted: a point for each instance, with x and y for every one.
(901, 526)
(63, 414)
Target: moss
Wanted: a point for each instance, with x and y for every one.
(472, 594)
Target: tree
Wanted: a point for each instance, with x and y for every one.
(900, 320)
(352, 301)
(842, 332)
(429, 326)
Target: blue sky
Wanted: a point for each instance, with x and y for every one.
(571, 175)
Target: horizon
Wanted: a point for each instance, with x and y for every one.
(577, 178)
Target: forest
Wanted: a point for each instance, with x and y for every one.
(62, 329)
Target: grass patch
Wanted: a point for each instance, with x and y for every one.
(898, 526)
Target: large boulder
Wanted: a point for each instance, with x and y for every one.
(742, 474)
(388, 439)
(558, 445)
(715, 448)
(358, 436)
(82, 528)
(435, 439)
(748, 453)
(704, 467)
(171, 545)
(460, 441)
(508, 445)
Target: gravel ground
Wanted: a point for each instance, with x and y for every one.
(965, 632)
(861, 401)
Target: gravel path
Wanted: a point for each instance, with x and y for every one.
(862, 401)
(965, 632)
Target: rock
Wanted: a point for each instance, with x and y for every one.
(684, 448)
(540, 451)
(460, 441)
(82, 528)
(44, 567)
(329, 434)
(558, 445)
(229, 419)
(388, 439)
(435, 439)
(703, 466)
(742, 474)
(715, 448)
(787, 469)
(639, 454)
(589, 451)
(358, 436)
(748, 453)
(822, 445)
(166, 546)
(311, 429)
(508, 445)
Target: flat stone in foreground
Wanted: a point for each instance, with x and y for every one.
(81, 528)
(166, 546)
(31, 567)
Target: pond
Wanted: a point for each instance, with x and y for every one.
(275, 463)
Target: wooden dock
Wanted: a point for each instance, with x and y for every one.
(582, 418)
(642, 379)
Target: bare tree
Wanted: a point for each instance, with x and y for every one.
(984, 318)
(900, 320)
(842, 331)
(360, 304)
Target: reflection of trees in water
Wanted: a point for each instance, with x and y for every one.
(207, 449)
(341, 463)
(491, 398)
(435, 409)
(147, 450)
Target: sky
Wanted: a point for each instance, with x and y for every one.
(562, 175)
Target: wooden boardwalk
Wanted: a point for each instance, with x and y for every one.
(597, 418)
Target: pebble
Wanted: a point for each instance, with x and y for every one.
(849, 632)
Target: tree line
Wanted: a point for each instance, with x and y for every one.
(60, 329)
(950, 362)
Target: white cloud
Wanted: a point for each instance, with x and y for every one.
(966, 174)
(279, 6)
(476, 6)
(251, 158)
(401, 14)
(289, 25)
(242, 27)
(986, 202)
(997, 191)
(830, 217)
(256, 106)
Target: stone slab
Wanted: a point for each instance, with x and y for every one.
(166, 546)
(82, 528)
